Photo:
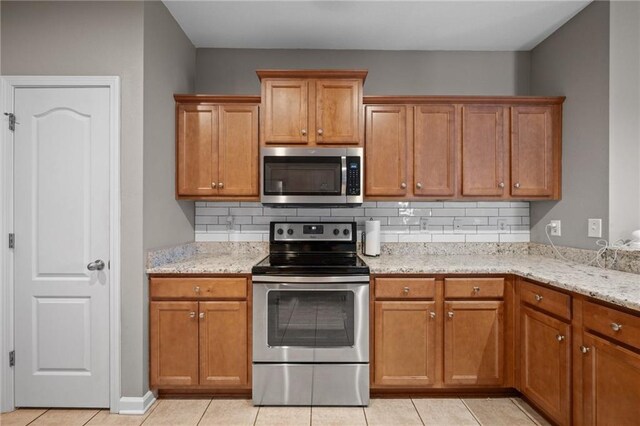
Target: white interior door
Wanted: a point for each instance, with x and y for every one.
(61, 188)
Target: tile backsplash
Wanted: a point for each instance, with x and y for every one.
(414, 221)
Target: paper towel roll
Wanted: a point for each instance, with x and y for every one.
(372, 238)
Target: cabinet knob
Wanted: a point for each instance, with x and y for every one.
(538, 298)
(432, 314)
(201, 315)
(320, 132)
(560, 337)
(517, 184)
(221, 185)
(196, 289)
(616, 327)
(419, 185)
(403, 185)
(405, 290)
(192, 314)
(476, 290)
(584, 349)
(501, 185)
(450, 314)
(304, 132)
(213, 185)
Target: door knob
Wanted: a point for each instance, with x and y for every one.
(304, 132)
(192, 314)
(320, 132)
(517, 184)
(501, 185)
(476, 290)
(405, 290)
(432, 314)
(450, 314)
(403, 185)
(220, 185)
(213, 185)
(97, 265)
(538, 298)
(560, 337)
(201, 315)
(584, 349)
(615, 326)
(419, 185)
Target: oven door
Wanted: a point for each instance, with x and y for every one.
(311, 322)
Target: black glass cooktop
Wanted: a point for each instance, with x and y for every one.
(311, 264)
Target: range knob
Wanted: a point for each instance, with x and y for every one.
(336, 231)
(345, 232)
(280, 231)
(290, 231)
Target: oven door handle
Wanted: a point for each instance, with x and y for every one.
(283, 279)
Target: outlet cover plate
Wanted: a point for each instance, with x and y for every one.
(556, 230)
(595, 228)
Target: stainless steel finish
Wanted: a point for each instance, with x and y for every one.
(432, 314)
(584, 349)
(359, 352)
(304, 132)
(192, 314)
(311, 384)
(297, 279)
(450, 314)
(517, 184)
(314, 152)
(405, 290)
(560, 337)
(201, 315)
(403, 185)
(476, 290)
(616, 327)
(196, 289)
(97, 265)
(220, 185)
(320, 132)
(419, 185)
(501, 185)
(298, 235)
(213, 185)
(538, 298)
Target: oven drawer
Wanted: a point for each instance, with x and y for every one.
(612, 323)
(473, 288)
(405, 288)
(199, 288)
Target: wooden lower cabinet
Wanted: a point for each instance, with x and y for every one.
(611, 383)
(405, 343)
(545, 360)
(474, 343)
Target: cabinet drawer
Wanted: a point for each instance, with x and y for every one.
(198, 288)
(405, 288)
(478, 288)
(612, 323)
(545, 299)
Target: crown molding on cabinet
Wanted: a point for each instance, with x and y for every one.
(308, 74)
(217, 99)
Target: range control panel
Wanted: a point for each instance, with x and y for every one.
(300, 231)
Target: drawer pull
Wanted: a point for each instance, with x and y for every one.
(584, 349)
(560, 337)
(616, 327)
(192, 314)
(196, 289)
(201, 315)
(476, 290)
(450, 314)
(432, 314)
(405, 290)
(538, 298)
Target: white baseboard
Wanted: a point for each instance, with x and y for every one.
(136, 405)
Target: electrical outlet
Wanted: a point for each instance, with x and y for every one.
(424, 223)
(457, 224)
(502, 224)
(595, 228)
(556, 229)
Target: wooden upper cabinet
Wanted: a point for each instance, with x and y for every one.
(338, 116)
(434, 146)
(483, 151)
(197, 159)
(532, 151)
(217, 147)
(312, 107)
(386, 151)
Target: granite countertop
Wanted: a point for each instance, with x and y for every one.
(619, 288)
(211, 263)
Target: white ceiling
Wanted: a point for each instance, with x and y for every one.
(372, 25)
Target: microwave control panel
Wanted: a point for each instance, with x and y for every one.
(353, 175)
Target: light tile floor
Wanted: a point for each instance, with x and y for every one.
(191, 412)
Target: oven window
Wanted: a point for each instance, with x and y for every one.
(302, 175)
(310, 318)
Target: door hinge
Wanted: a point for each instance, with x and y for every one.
(12, 240)
(12, 120)
(12, 358)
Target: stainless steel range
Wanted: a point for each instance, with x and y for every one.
(311, 317)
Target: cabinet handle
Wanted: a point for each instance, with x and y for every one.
(450, 314)
(476, 290)
(616, 327)
(403, 185)
(501, 185)
(584, 349)
(432, 314)
(304, 132)
(405, 290)
(192, 314)
(213, 185)
(196, 289)
(221, 185)
(538, 298)
(517, 184)
(201, 315)
(320, 132)
(419, 185)
(560, 337)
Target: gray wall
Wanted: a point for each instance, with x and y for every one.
(169, 67)
(574, 62)
(390, 72)
(624, 120)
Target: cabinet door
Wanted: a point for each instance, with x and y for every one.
(286, 111)
(611, 383)
(434, 147)
(483, 151)
(544, 363)
(338, 111)
(238, 150)
(405, 343)
(474, 343)
(173, 342)
(386, 151)
(223, 344)
(197, 156)
(532, 151)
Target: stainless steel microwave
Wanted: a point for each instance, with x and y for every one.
(311, 176)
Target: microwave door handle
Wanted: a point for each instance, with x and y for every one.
(344, 176)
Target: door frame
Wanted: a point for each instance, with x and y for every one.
(8, 84)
